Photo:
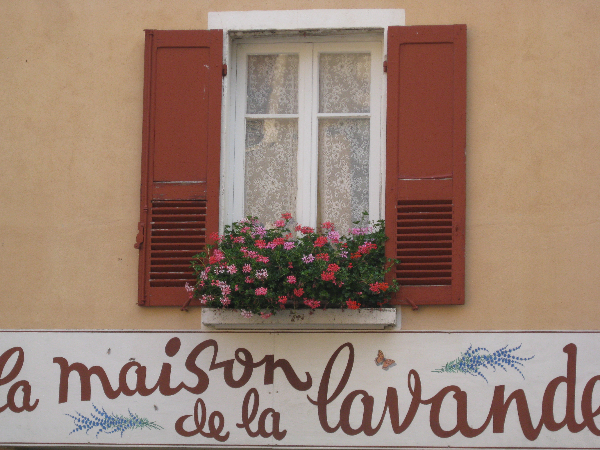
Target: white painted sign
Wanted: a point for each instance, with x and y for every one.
(287, 389)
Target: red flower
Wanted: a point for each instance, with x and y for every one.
(327, 225)
(333, 268)
(286, 216)
(328, 276)
(311, 303)
(352, 304)
(320, 241)
(323, 256)
(278, 241)
(299, 292)
(378, 287)
(217, 256)
(366, 247)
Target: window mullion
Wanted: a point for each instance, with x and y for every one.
(271, 116)
(376, 167)
(239, 139)
(344, 115)
(307, 176)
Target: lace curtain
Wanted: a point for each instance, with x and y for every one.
(344, 87)
(343, 142)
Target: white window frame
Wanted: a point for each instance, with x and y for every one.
(345, 24)
(309, 50)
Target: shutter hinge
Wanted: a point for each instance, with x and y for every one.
(385, 66)
(224, 70)
(139, 240)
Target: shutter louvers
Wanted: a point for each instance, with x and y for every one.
(424, 242)
(425, 180)
(180, 163)
(177, 233)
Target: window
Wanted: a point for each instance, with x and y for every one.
(185, 193)
(307, 129)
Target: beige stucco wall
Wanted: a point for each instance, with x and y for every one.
(71, 75)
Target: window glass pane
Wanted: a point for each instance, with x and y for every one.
(343, 171)
(344, 82)
(271, 167)
(272, 84)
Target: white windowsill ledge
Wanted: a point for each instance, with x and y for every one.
(330, 319)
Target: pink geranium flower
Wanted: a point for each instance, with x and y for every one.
(334, 236)
(261, 274)
(308, 258)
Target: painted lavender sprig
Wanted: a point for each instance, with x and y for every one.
(474, 359)
(113, 423)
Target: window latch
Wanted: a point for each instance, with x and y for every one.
(412, 304)
(224, 70)
(385, 66)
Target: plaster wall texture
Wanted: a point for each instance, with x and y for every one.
(72, 76)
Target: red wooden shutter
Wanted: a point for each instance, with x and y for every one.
(425, 184)
(180, 159)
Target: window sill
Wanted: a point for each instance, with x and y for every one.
(330, 319)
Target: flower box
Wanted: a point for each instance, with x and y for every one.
(286, 275)
(304, 319)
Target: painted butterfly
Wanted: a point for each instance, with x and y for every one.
(381, 359)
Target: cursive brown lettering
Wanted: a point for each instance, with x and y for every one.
(23, 385)
(323, 399)
(249, 416)
(216, 423)
(586, 405)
